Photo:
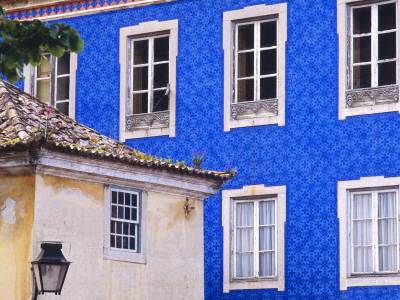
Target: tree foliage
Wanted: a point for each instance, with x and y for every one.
(23, 42)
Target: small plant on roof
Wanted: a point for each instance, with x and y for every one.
(228, 167)
(197, 159)
(47, 133)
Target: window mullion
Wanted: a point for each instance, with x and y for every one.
(151, 74)
(374, 45)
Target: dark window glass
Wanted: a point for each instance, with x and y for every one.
(63, 64)
(140, 78)
(132, 229)
(387, 45)
(160, 101)
(134, 214)
(112, 241)
(245, 90)
(161, 75)
(127, 213)
(126, 228)
(114, 211)
(114, 197)
(245, 64)
(119, 227)
(362, 49)
(268, 34)
(267, 88)
(387, 73)
(161, 49)
(140, 52)
(362, 76)
(132, 244)
(127, 199)
(120, 198)
(134, 200)
(112, 226)
(362, 20)
(63, 107)
(268, 62)
(125, 243)
(140, 103)
(63, 88)
(387, 16)
(246, 37)
(118, 242)
(120, 212)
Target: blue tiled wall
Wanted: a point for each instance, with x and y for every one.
(310, 154)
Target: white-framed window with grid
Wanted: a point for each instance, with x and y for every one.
(256, 60)
(53, 82)
(374, 232)
(125, 224)
(254, 242)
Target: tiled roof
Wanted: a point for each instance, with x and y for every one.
(23, 121)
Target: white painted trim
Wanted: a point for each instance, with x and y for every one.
(342, 33)
(229, 18)
(114, 254)
(343, 189)
(125, 34)
(73, 66)
(249, 191)
(90, 11)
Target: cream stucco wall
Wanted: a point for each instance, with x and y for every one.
(16, 219)
(71, 211)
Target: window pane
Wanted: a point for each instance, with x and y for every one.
(125, 243)
(132, 230)
(245, 64)
(114, 211)
(361, 76)
(160, 101)
(63, 88)
(267, 212)
(387, 16)
(267, 264)
(244, 265)
(268, 88)
(126, 228)
(387, 231)
(127, 213)
(387, 258)
(267, 238)
(120, 198)
(363, 259)
(245, 90)
(387, 45)
(118, 242)
(244, 239)
(140, 52)
(119, 227)
(245, 214)
(63, 64)
(362, 49)
(134, 200)
(245, 37)
(43, 90)
(362, 20)
(140, 78)
(132, 244)
(112, 241)
(127, 199)
(43, 70)
(362, 233)
(120, 212)
(161, 75)
(268, 62)
(140, 102)
(134, 214)
(387, 73)
(362, 206)
(112, 227)
(268, 34)
(387, 205)
(63, 107)
(161, 49)
(114, 197)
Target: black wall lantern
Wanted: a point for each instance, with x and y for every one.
(50, 269)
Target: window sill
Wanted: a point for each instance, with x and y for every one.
(259, 283)
(126, 256)
(373, 280)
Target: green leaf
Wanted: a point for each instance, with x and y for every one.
(57, 51)
(35, 57)
(2, 12)
(9, 26)
(75, 41)
(54, 32)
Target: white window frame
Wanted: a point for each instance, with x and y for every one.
(126, 35)
(30, 85)
(230, 21)
(247, 194)
(139, 254)
(345, 71)
(346, 190)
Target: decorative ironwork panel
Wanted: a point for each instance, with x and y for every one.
(146, 121)
(254, 108)
(372, 96)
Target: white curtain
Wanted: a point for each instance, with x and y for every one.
(267, 238)
(244, 239)
(387, 231)
(362, 232)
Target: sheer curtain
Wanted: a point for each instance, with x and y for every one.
(362, 232)
(387, 241)
(244, 239)
(267, 238)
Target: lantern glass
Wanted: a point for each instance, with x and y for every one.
(53, 276)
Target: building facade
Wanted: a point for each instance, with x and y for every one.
(300, 96)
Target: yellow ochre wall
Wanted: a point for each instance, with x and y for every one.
(16, 219)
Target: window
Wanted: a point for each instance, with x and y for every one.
(369, 252)
(148, 67)
(53, 82)
(253, 221)
(370, 50)
(254, 45)
(124, 225)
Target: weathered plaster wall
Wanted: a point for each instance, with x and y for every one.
(16, 219)
(71, 211)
